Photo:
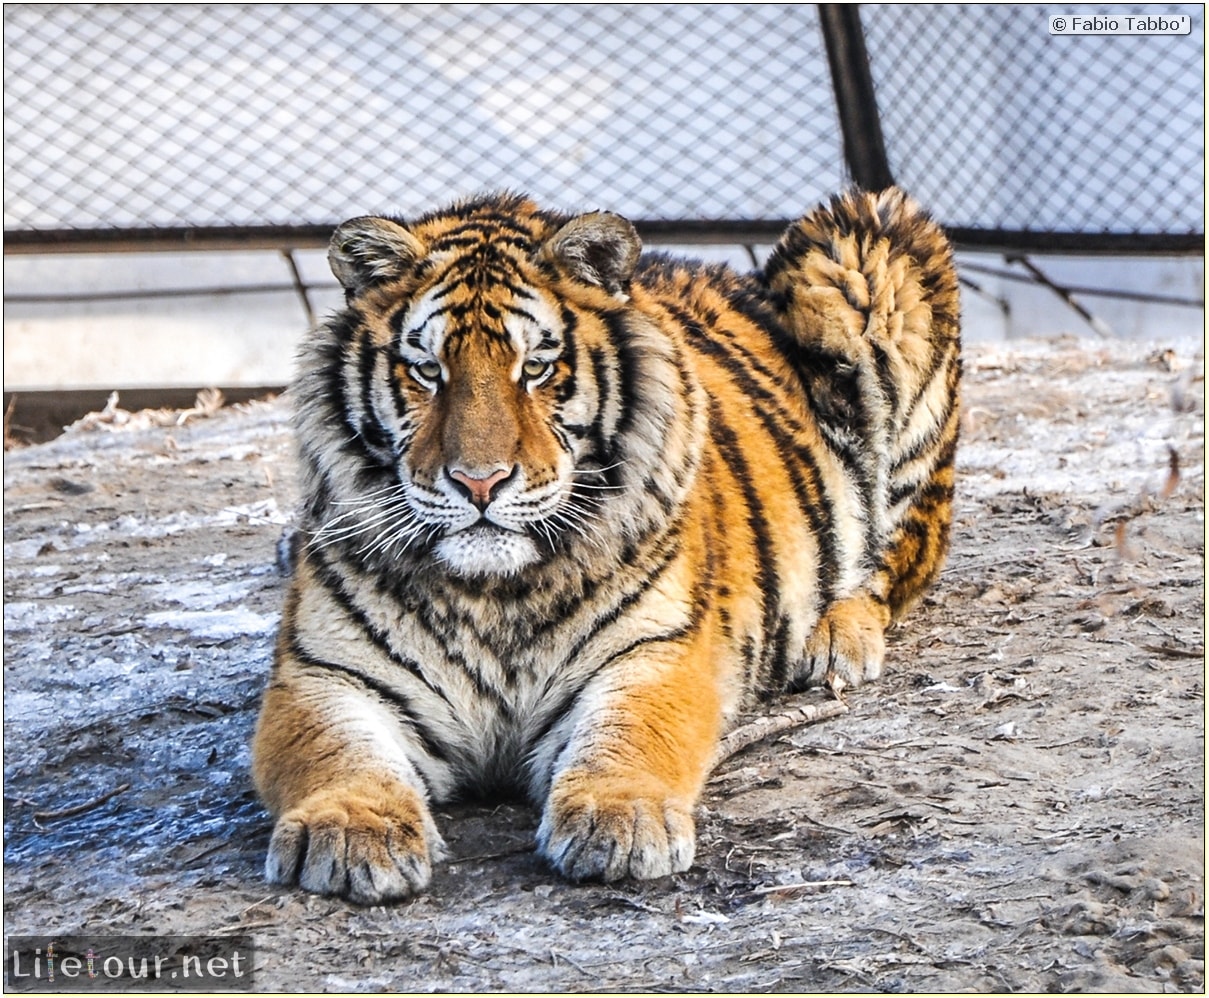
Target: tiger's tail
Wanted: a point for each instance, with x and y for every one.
(868, 299)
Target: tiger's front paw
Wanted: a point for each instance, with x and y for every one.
(848, 645)
(606, 828)
(369, 844)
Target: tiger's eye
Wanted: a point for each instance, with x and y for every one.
(429, 370)
(534, 368)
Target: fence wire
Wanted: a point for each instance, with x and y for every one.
(997, 125)
(138, 118)
(279, 114)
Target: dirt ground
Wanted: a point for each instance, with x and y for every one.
(1017, 806)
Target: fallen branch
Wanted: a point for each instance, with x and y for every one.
(800, 886)
(1174, 652)
(1099, 325)
(797, 716)
(71, 812)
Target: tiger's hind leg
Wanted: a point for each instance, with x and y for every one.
(870, 303)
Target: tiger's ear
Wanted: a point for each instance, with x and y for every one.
(366, 250)
(600, 248)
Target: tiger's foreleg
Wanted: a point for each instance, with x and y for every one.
(622, 774)
(331, 763)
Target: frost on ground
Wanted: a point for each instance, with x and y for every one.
(1019, 805)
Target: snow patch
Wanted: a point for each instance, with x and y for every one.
(201, 594)
(217, 625)
(31, 616)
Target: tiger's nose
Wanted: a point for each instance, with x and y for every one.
(481, 491)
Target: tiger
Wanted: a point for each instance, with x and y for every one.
(569, 508)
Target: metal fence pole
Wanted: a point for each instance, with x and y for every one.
(864, 148)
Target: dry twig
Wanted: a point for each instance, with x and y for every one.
(800, 885)
(71, 812)
(796, 716)
(114, 417)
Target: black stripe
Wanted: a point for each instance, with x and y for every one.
(565, 388)
(666, 503)
(549, 340)
(567, 703)
(758, 304)
(398, 701)
(477, 236)
(831, 383)
(750, 666)
(797, 459)
(602, 438)
(444, 292)
(485, 222)
(372, 429)
(318, 500)
(578, 430)
(481, 269)
(780, 655)
(885, 376)
(737, 360)
(332, 581)
(930, 440)
(938, 449)
(628, 368)
(646, 574)
(344, 325)
(411, 336)
(767, 581)
(333, 396)
(899, 493)
(438, 631)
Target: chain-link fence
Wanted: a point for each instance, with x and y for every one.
(154, 124)
(999, 126)
(150, 116)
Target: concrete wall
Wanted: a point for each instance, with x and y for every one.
(248, 339)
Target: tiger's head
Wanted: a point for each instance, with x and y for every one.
(495, 382)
